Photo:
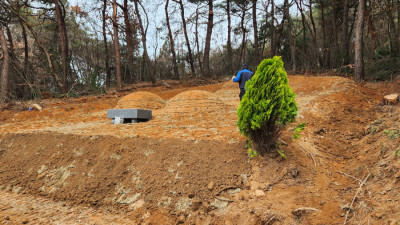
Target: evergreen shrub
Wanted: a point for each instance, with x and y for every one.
(267, 106)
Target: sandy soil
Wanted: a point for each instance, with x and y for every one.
(67, 164)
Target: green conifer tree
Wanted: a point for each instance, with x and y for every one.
(268, 105)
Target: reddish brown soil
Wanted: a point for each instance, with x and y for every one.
(67, 164)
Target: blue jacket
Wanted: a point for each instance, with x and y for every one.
(242, 77)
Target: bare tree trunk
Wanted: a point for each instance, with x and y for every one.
(392, 31)
(106, 51)
(143, 33)
(299, 4)
(313, 31)
(171, 42)
(323, 27)
(273, 44)
(371, 29)
(398, 24)
(334, 40)
(207, 48)
(63, 44)
(190, 55)
(265, 31)
(303, 22)
(352, 26)
(26, 65)
(292, 39)
(5, 69)
(358, 60)
(256, 49)
(229, 43)
(10, 41)
(197, 41)
(243, 45)
(129, 41)
(13, 60)
(26, 51)
(345, 39)
(279, 34)
(116, 48)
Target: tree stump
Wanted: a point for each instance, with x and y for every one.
(390, 99)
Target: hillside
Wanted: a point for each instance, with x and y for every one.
(68, 164)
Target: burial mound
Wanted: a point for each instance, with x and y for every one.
(141, 100)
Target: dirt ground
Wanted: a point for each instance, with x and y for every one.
(67, 164)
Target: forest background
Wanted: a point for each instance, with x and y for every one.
(68, 48)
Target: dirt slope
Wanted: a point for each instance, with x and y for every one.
(68, 164)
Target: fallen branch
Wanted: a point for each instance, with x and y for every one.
(353, 177)
(298, 212)
(312, 156)
(355, 196)
(224, 199)
(226, 188)
(166, 84)
(270, 221)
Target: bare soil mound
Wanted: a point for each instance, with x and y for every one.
(141, 100)
(122, 172)
(230, 85)
(380, 154)
(229, 93)
(194, 102)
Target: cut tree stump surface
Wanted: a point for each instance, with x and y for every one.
(390, 99)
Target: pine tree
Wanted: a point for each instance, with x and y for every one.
(268, 105)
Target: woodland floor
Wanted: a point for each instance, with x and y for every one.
(67, 164)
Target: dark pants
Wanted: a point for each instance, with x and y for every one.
(242, 91)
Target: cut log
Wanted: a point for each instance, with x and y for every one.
(390, 99)
(36, 106)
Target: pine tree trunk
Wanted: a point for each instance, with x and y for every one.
(10, 41)
(171, 42)
(229, 43)
(146, 58)
(5, 68)
(190, 55)
(106, 51)
(334, 42)
(392, 31)
(323, 27)
(345, 39)
(398, 23)
(26, 51)
(243, 45)
(265, 30)
(12, 78)
(210, 24)
(303, 23)
(116, 48)
(273, 44)
(129, 43)
(291, 38)
(29, 76)
(197, 41)
(358, 47)
(315, 54)
(256, 49)
(63, 44)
